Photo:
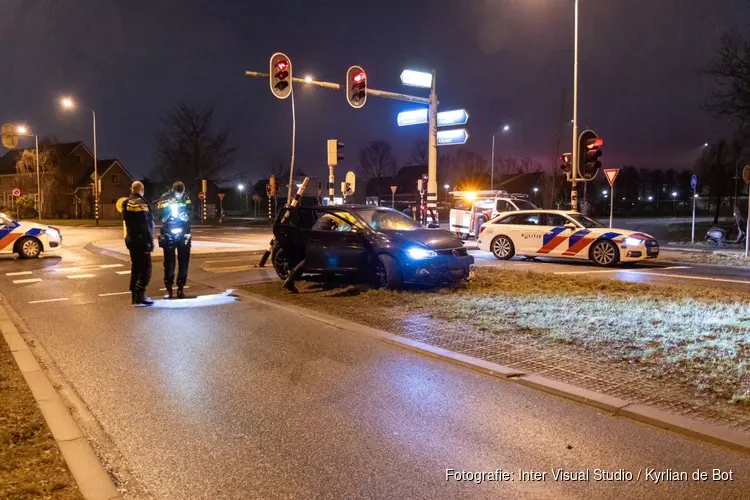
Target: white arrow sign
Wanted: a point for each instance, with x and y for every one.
(444, 118)
(452, 137)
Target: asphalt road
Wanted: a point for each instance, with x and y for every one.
(214, 397)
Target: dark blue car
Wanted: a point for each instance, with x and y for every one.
(375, 244)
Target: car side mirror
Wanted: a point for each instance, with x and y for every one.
(570, 225)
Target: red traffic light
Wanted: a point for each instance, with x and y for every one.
(359, 77)
(282, 65)
(566, 158)
(281, 75)
(594, 143)
(356, 92)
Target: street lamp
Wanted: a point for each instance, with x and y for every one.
(69, 103)
(506, 128)
(23, 131)
(308, 79)
(447, 187)
(240, 187)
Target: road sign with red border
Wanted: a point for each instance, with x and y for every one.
(611, 174)
(16, 192)
(221, 196)
(201, 195)
(256, 197)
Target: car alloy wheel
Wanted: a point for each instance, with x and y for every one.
(502, 248)
(604, 253)
(30, 248)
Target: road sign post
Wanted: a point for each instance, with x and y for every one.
(393, 196)
(694, 185)
(611, 174)
(746, 178)
(221, 208)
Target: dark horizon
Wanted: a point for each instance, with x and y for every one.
(640, 86)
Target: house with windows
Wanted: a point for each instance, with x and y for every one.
(67, 180)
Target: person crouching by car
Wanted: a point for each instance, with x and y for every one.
(139, 239)
(325, 222)
(174, 207)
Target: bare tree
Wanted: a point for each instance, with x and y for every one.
(419, 153)
(553, 189)
(731, 70)
(189, 148)
(376, 160)
(716, 168)
(48, 169)
(276, 167)
(469, 169)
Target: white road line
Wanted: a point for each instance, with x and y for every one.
(107, 266)
(30, 280)
(702, 278)
(164, 289)
(21, 273)
(113, 293)
(644, 271)
(48, 300)
(67, 269)
(79, 276)
(123, 272)
(591, 272)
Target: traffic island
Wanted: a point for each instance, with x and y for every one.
(31, 465)
(682, 350)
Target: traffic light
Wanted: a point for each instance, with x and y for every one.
(281, 75)
(565, 164)
(589, 152)
(335, 152)
(272, 184)
(356, 87)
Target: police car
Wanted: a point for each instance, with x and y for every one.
(563, 234)
(27, 239)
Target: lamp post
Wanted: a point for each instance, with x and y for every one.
(23, 131)
(574, 173)
(241, 188)
(69, 103)
(536, 190)
(506, 129)
(447, 187)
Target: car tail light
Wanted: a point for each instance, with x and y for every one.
(481, 228)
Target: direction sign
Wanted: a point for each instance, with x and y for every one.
(416, 78)
(221, 196)
(444, 118)
(694, 181)
(611, 174)
(452, 137)
(451, 118)
(9, 137)
(16, 192)
(201, 195)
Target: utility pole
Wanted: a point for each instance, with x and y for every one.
(574, 174)
(492, 167)
(432, 184)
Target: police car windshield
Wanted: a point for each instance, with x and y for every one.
(585, 221)
(386, 219)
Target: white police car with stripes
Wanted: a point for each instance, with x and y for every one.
(27, 239)
(565, 235)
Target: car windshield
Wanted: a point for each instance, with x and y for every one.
(4, 219)
(524, 205)
(585, 221)
(387, 219)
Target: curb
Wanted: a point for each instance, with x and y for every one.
(618, 407)
(94, 248)
(91, 477)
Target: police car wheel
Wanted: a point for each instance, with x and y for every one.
(281, 263)
(604, 253)
(502, 248)
(29, 248)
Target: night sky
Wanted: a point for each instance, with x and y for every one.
(505, 61)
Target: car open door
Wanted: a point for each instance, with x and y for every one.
(342, 250)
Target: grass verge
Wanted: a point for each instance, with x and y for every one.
(31, 465)
(695, 337)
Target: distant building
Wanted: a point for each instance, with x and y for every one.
(68, 185)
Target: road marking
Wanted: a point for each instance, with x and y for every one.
(21, 273)
(123, 272)
(30, 280)
(47, 300)
(79, 276)
(604, 271)
(164, 289)
(113, 293)
(107, 266)
(227, 260)
(702, 278)
(230, 269)
(67, 269)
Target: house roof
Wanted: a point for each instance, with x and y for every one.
(103, 167)
(8, 160)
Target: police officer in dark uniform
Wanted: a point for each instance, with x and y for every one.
(139, 239)
(325, 222)
(174, 211)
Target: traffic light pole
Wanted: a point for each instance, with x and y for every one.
(432, 185)
(294, 143)
(574, 173)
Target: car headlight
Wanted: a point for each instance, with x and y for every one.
(417, 253)
(633, 242)
(52, 233)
